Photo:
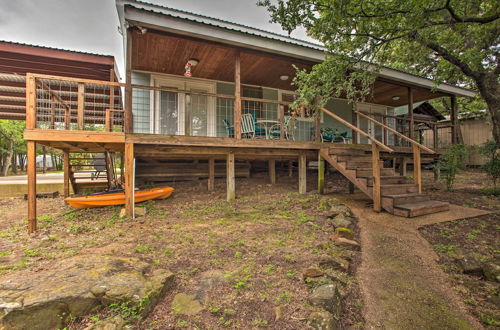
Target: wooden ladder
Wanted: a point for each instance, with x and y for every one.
(82, 163)
(388, 190)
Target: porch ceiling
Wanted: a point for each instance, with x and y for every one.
(167, 53)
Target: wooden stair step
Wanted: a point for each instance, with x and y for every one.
(368, 172)
(400, 199)
(392, 179)
(361, 158)
(402, 188)
(421, 208)
(346, 151)
(352, 165)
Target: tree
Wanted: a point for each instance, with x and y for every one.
(11, 142)
(450, 41)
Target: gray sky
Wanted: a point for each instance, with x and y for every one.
(91, 25)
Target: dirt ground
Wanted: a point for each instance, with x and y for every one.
(475, 239)
(263, 242)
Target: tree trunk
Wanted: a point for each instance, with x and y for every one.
(14, 163)
(489, 88)
(54, 161)
(8, 155)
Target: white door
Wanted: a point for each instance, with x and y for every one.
(376, 112)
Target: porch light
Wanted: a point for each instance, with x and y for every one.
(284, 77)
(395, 98)
(190, 63)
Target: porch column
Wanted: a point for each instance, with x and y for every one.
(321, 175)
(272, 171)
(237, 96)
(211, 174)
(454, 120)
(231, 187)
(31, 159)
(66, 172)
(129, 179)
(302, 173)
(128, 121)
(410, 113)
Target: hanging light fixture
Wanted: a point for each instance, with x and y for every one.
(395, 98)
(284, 77)
(189, 65)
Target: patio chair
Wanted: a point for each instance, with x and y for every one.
(247, 126)
(229, 128)
(259, 131)
(290, 127)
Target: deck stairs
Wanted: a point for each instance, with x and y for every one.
(398, 196)
(91, 172)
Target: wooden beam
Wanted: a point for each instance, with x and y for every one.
(281, 110)
(410, 113)
(302, 174)
(74, 136)
(211, 173)
(435, 136)
(66, 161)
(377, 197)
(237, 96)
(128, 124)
(454, 120)
(417, 168)
(272, 171)
(321, 175)
(129, 179)
(31, 158)
(81, 106)
(230, 181)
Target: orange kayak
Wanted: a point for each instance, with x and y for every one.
(118, 198)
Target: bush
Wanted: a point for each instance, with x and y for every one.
(492, 167)
(451, 162)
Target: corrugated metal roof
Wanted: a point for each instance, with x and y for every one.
(53, 48)
(217, 22)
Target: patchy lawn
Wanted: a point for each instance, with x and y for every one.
(261, 244)
(466, 247)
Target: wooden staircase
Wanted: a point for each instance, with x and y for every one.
(89, 172)
(397, 195)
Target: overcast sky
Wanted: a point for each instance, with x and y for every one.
(91, 25)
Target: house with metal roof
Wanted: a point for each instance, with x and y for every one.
(206, 98)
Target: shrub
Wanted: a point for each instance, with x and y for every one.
(492, 166)
(451, 162)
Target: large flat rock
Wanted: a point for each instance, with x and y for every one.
(76, 286)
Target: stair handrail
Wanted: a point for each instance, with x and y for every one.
(358, 130)
(412, 141)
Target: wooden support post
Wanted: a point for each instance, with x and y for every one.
(435, 136)
(377, 198)
(30, 101)
(403, 162)
(80, 111)
(31, 155)
(317, 126)
(321, 175)
(128, 119)
(417, 167)
(454, 120)
(302, 173)
(237, 96)
(211, 174)
(355, 123)
(52, 112)
(129, 179)
(230, 181)
(272, 171)
(290, 168)
(281, 110)
(66, 172)
(410, 113)
(107, 120)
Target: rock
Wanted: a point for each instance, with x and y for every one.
(322, 321)
(312, 272)
(209, 281)
(471, 265)
(327, 297)
(76, 286)
(138, 211)
(339, 209)
(327, 203)
(344, 242)
(116, 323)
(344, 232)
(334, 262)
(341, 220)
(492, 271)
(186, 304)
